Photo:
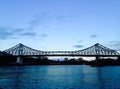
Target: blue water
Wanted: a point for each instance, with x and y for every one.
(59, 77)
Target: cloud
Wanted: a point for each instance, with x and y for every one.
(46, 19)
(38, 19)
(93, 36)
(80, 41)
(18, 30)
(29, 34)
(62, 18)
(114, 44)
(42, 18)
(35, 21)
(44, 35)
(78, 46)
(15, 33)
(5, 33)
(21, 32)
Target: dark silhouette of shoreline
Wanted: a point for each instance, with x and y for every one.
(8, 60)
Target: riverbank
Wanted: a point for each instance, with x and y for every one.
(28, 61)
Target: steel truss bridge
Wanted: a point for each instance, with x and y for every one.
(95, 50)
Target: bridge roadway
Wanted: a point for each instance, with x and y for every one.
(68, 55)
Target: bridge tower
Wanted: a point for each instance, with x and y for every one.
(20, 51)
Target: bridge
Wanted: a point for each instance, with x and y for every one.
(97, 50)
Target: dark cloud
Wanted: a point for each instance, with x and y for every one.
(93, 36)
(15, 33)
(78, 46)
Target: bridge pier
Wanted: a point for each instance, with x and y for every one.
(97, 58)
(118, 58)
(40, 57)
(19, 60)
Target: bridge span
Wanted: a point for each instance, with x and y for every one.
(97, 50)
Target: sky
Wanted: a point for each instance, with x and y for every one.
(59, 24)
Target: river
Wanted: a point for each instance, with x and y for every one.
(59, 77)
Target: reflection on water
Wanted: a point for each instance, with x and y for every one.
(59, 77)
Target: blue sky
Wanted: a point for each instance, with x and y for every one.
(59, 24)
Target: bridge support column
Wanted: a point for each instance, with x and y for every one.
(19, 60)
(40, 57)
(98, 61)
(118, 58)
(97, 58)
